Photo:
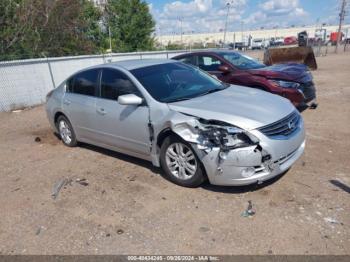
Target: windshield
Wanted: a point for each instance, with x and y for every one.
(173, 82)
(241, 61)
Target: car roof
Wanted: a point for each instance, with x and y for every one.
(134, 63)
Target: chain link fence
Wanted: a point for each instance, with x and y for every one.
(25, 83)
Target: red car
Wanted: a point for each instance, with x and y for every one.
(290, 80)
(290, 40)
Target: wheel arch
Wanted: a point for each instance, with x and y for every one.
(57, 115)
(168, 132)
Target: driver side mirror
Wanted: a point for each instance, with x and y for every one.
(225, 69)
(130, 99)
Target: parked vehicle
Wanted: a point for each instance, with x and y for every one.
(334, 37)
(260, 43)
(278, 41)
(290, 80)
(180, 118)
(290, 40)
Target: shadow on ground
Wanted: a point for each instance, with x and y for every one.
(206, 185)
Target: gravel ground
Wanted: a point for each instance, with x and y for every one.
(126, 207)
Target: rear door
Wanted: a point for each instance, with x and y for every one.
(79, 102)
(122, 126)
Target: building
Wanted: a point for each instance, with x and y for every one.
(239, 36)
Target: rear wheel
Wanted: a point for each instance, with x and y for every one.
(180, 163)
(66, 131)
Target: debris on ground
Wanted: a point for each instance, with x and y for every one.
(17, 111)
(204, 229)
(38, 231)
(58, 186)
(82, 181)
(120, 231)
(331, 220)
(37, 139)
(249, 212)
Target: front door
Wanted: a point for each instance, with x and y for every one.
(122, 126)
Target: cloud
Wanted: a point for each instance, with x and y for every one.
(197, 15)
(279, 13)
(210, 15)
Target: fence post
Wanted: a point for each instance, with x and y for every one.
(51, 74)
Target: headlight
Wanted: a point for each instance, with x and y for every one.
(285, 84)
(226, 137)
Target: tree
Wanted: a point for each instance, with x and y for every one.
(37, 28)
(131, 25)
(66, 27)
(14, 29)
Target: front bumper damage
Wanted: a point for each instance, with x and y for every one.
(246, 164)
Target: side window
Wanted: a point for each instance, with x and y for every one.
(85, 83)
(208, 63)
(114, 83)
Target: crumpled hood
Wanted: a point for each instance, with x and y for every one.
(288, 71)
(244, 107)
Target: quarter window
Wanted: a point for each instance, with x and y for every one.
(85, 83)
(115, 83)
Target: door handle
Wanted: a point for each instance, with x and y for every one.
(101, 111)
(67, 102)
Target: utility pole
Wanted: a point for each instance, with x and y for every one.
(181, 19)
(341, 20)
(242, 33)
(228, 5)
(110, 38)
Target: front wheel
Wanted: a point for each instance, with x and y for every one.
(180, 163)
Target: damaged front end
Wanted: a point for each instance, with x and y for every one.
(226, 151)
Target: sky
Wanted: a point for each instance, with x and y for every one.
(198, 16)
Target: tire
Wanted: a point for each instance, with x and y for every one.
(187, 170)
(66, 132)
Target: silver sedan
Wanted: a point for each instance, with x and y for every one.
(181, 119)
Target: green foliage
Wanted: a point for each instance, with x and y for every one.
(131, 25)
(38, 28)
(175, 46)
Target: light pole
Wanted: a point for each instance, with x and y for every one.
(180, 20)
(341, 20)
(228, 5)
(242, 32)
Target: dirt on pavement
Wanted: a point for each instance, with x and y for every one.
(126, 207)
